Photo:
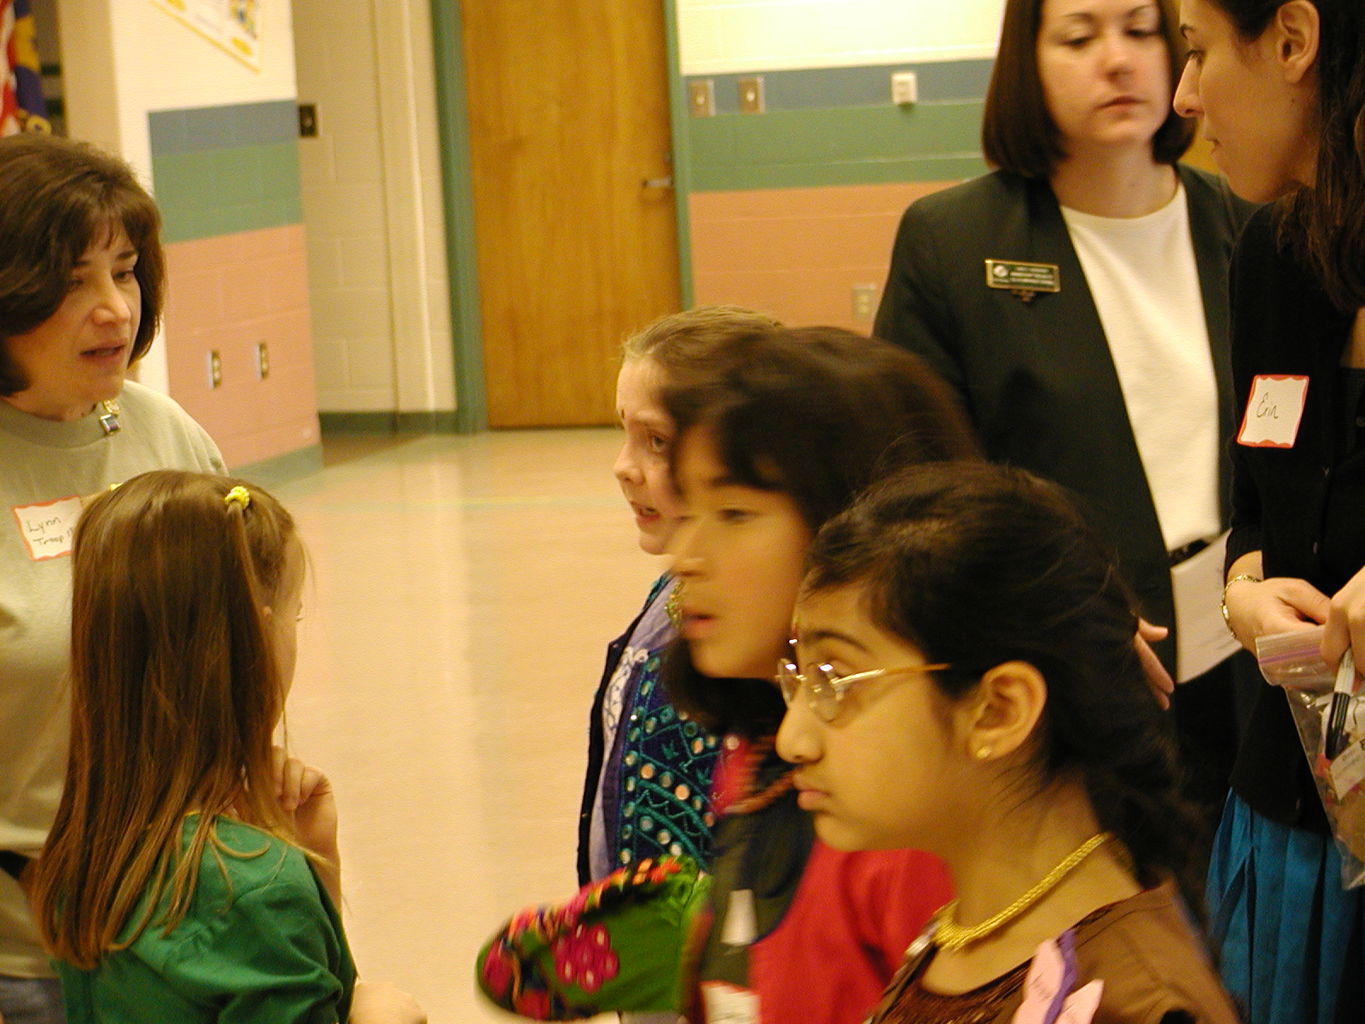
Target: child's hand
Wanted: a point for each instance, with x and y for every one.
(305, 796)
(378, 1002)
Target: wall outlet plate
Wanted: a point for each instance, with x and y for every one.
(215, 369)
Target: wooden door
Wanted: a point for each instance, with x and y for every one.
(569, 116)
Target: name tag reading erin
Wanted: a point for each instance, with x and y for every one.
(1023, 279)
(1274, 411)
(48, 527)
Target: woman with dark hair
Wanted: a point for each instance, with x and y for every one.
(1280, 88)
(81, 284)
(1075, 298)
(766, 451)
(964, 681)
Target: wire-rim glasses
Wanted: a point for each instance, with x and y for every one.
(825, 689)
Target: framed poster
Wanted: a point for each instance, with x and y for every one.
(233, 25)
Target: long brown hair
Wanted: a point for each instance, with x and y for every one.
(175, 693)
(1327, 222)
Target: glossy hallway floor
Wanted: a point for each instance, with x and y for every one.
(462, 594)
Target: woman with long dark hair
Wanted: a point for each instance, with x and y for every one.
(1280, 90)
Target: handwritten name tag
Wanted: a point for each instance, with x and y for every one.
(1274, 411)
(728, 1004)
(48, 527)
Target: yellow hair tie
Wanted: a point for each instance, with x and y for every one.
(239, 495)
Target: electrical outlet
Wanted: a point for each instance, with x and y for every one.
(864, 299)
(904, 87)
(215, 369)
(751, 94)
(262, 361)
(701, 97)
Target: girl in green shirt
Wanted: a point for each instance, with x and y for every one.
(192, 872)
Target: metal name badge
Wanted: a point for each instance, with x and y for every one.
(1025, 280)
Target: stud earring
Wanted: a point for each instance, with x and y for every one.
(983, 753)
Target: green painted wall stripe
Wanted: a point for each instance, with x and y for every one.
(806, 88)
(193, 129)
(457, 191)
(222, 191)
(836, 146)
(682, 153)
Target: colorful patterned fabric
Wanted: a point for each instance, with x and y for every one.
(616, 945)
(650, 767)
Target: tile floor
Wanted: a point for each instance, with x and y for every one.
(463, 591)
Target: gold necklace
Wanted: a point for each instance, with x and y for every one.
(950, 936)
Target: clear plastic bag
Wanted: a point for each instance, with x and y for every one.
(1292, 661)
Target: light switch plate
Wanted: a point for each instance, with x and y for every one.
(701, 97)
(904, 87)
(751, 94)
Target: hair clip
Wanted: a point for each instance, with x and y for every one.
(239, 495)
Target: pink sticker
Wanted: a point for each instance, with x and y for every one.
(1042, 985)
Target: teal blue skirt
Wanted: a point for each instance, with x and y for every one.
(1288, 937)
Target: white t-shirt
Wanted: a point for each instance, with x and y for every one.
(1142, 274)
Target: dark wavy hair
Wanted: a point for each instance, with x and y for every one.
(1326, 223)
(978, 564)
(60, 198)
(1017, 132)
(816, 413)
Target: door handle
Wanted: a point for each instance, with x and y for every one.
(665, 182)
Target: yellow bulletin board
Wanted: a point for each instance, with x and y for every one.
(233, 25)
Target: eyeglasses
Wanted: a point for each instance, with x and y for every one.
(825, 690)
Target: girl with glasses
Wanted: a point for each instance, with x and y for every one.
(964, 681)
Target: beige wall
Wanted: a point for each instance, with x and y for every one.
(716, 36)
(372, 205)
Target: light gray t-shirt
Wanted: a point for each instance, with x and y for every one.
(44, 464)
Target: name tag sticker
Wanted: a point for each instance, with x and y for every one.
(1014, 276)
(1274, 411)
(728, 1004)
(48, 527)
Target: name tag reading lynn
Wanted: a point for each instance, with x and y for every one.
(1025, 280)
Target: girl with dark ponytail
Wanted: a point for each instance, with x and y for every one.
(963, 680)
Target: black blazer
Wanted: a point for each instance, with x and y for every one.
(1037, 378)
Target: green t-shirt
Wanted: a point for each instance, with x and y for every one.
(261, 943)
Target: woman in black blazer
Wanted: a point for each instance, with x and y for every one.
(1076, 299)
